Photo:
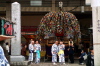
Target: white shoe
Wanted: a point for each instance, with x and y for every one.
(54, 64)
(64, 63)
(31, 62)
(81, 63)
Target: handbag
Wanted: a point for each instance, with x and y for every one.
(85, 56)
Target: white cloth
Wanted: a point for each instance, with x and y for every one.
(95, 3)
(7, 48)
(31, 48)
(61, 55)
(61, 47)
(61, 58)
(3, 60)
(54, 48)
(37, 47)
(85, 56)
(54, 51)
(61, 4)
(72, 42)
(30, 57)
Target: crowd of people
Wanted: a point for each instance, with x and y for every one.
(57, 50)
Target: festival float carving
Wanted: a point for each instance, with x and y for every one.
(59, 24)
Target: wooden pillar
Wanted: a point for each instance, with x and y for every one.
(8, 17)
(8, 11)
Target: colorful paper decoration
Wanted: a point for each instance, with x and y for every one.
(59, 22)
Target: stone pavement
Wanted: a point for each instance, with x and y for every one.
(46, 63)
(50, 64)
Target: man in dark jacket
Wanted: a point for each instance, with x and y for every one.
(90, 58)
(71, 53)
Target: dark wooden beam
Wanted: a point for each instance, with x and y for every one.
(8, 1)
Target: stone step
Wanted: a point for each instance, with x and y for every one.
(24, 63)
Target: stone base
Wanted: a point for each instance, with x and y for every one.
(24, 63)
(17, 58)
(97, 55)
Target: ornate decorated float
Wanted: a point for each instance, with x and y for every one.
(59, 26)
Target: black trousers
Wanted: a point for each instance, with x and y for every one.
(71, 58)
(81, 60)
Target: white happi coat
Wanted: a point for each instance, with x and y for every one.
(54, 51)
(3, 60)
(31, 49)
(61, 48)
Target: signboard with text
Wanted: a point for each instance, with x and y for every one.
(6, 28)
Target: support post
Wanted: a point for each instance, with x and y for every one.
(96, 30)
(16, 42)
(8, 17)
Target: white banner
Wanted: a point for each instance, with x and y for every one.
(95, 3)
(88, 2)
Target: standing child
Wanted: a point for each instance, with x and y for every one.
(37, 49)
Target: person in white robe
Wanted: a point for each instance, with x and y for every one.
(31, 50)
(37, 49)
(54, 51)
(3, 60)
(61, 48)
